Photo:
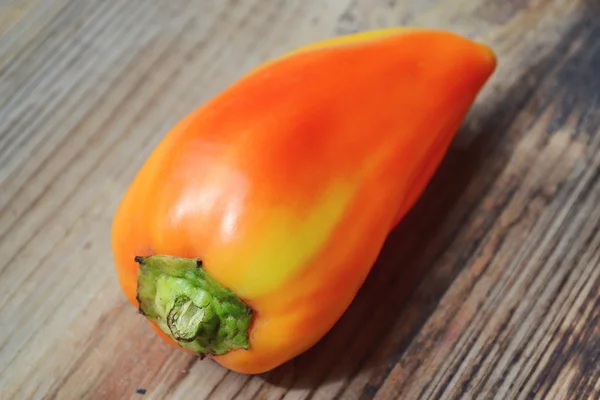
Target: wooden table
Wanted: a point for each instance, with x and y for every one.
(489, 288)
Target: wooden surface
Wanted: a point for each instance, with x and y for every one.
(489, 289)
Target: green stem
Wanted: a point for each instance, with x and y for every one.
(190, 306)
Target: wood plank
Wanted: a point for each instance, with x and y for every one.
(489, 289)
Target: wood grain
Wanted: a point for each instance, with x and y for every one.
(489, 289)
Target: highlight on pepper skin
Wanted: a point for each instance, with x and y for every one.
(250, 228)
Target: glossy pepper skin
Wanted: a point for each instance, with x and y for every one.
(286, 184)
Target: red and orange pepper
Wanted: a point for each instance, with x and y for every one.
(252, 225)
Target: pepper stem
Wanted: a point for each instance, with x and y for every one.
(190, 306)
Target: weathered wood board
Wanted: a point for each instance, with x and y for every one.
(489, 289)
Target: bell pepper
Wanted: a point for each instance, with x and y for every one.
(250, 228)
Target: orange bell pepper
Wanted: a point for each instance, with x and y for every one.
(253, 224)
